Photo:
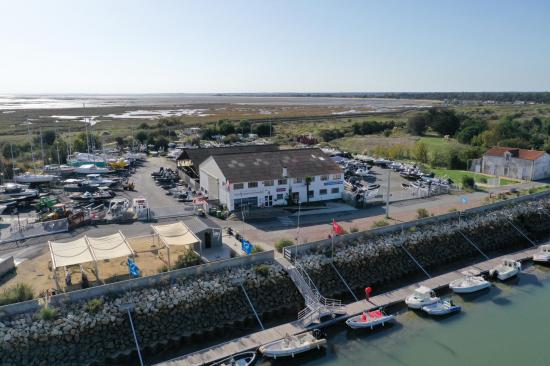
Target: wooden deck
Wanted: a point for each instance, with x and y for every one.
(255, 340)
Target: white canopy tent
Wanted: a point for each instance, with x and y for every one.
(87, 249)
(175, 234)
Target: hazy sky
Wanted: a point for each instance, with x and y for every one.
(137, 46)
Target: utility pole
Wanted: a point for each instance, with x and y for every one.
(388, 196)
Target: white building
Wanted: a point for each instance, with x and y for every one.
(516, 163)
(266, 179)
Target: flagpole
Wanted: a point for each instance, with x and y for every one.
(332, 240)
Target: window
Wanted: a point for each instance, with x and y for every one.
(336, 176)
(238, 186)
(252, 184)
(268, 183)
(322, 192)
(298, 180)
(324, 177)
(310, 194)
(335, 190)
(312, 179)
(282, 182)
(280, 196)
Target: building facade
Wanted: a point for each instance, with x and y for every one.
(516, 163)
(271, 178)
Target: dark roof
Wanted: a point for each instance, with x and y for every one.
(198, 155)
(515, 153)
(300, 163)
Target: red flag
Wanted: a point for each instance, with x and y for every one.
(337, 228)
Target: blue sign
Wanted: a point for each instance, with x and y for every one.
(246, 246)
(463, 200)
(333, 183)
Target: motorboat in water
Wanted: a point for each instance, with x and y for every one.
(240, 359)
(469, 284)
(507, 269)
(35, 178)
(91, 169)
(422, 296)
(369, 319)
(292, 345)
(543, 255)
(441, 307)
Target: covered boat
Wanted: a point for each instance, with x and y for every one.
(35, 178)
(543, 255)
(91, 169)
(441, 307)
(469, 284)
(507, 269)
(422, 296)
(240, 359)
(369, 319)
(293, 345)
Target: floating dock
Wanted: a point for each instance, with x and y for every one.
(255, 340)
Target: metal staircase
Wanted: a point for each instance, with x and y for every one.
(317, 306)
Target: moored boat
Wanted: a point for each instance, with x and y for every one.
(422, 296)
(543, 255)
(369, 319)
(507, 269)
(292, 345)
(441, 307)
(469, 284)
(240, 359)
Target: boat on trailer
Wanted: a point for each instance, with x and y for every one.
(35, 178)
(441, 307)
(507, 269)
(469, 284)
(422, 296)
(369, 319)
(292, 345)
(543, 255)
(240, 359)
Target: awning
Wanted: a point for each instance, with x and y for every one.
(110, 246)
(73, 252)
(176, 234)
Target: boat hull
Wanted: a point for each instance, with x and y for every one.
(415, 304)
(541, 258)
(356, 322)
(269, 351)
(469, 289)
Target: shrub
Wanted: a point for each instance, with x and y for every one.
(483, 180)
(262, 269)
(453, 209)
(47, 313)
(380, 223)
(94, 305)
(422, 213)
(353, 229)
(17, 293)
(283, 243)
(468, 182)
(188, 259)
(162, 269)
(257, 249)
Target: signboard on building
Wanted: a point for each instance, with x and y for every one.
(333, 183)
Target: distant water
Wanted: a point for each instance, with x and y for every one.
(15, 102)
(508, 325)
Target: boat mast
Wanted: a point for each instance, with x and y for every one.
(32, 148)
(12, 163)
(86, 122)
(57, 146)
(42, 148)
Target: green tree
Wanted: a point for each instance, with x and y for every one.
(263, 129)
(417, 124)
(420, 152)
(244, 127)
(443, 121)
(141, 136)
(48, 137)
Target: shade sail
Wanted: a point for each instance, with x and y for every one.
(72, 252)
(110, 246)
(176, 234)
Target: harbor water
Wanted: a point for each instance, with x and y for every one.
(507, 325)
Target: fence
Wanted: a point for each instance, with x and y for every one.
(138, 283)
(32, 230)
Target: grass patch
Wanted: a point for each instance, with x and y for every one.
(283, 243)
(379, 223)
(17, 293)
(47, 313)
(458, 175)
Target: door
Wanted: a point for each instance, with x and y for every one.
(268, 200)
(208, 239)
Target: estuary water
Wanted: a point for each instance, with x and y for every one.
(508, 325)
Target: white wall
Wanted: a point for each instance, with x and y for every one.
(517, 168)
(542, 167)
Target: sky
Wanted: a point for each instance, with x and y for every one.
(207, 46)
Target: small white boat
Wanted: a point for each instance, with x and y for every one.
(240, 359)
(293, 345)
(507, 269)
(369, 319)
(362, 172)
(441, 307)
(469, 284)
(543, 255)
(91, 169)
(422, 296)
(35, 178)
